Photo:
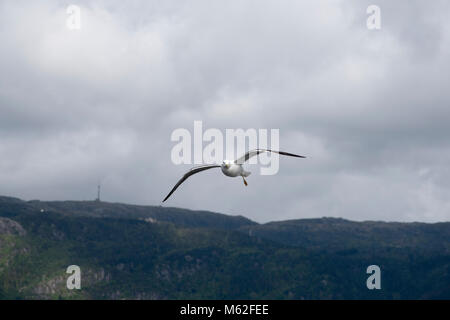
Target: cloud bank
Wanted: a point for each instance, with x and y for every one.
(369, 108)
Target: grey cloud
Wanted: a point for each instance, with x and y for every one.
(368, 108)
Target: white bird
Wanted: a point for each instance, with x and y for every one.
(229, 168)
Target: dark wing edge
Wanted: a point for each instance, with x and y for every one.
(256, 152)
(187, 175)
(287, 154)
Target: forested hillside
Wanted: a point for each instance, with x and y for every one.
(139, 252)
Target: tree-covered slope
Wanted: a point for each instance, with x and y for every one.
(137, 252)
(332, 234)
(178, 216)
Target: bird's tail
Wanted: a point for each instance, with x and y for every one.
(246, 173)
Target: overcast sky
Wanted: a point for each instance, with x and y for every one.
(369, 108)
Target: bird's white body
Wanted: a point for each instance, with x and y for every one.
(231, 169)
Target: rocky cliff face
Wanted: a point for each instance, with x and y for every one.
(11, 227)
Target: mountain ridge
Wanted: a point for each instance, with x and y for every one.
(135, 252)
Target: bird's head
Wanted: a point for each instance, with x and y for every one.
(226, 163)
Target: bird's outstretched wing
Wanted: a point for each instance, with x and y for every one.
(188, 174)
(255, 152)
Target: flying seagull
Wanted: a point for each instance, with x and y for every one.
(229, 168)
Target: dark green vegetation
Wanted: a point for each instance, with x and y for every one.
(138, 252)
